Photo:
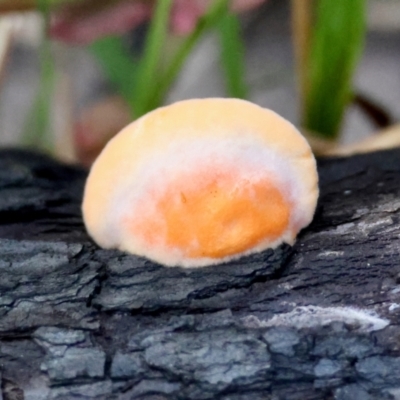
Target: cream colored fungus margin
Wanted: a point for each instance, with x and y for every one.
(150, 154)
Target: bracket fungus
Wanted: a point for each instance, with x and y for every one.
(202, 182)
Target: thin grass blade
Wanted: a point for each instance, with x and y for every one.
(301, 19)
(148, 67)
(336, 44)
(205, 23)
(233, 55)
(117, 64)
(36, 132)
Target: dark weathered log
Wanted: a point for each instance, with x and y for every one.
(319, 321)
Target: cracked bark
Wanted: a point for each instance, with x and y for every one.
(318, 321)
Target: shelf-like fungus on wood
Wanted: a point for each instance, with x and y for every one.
(202, 182)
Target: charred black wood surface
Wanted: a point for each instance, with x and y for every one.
(318, 321)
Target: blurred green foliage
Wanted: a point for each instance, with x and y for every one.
(233, 55)
(337, 42)
(145, 81)
(37, 130)
(337, 38)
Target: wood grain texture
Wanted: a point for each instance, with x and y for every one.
(318, 321)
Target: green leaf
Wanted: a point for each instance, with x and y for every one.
(145, 84)
(117, 64)
(336, 46)
(205, 23)
(136, 80)
(233, 55)
(148, 68)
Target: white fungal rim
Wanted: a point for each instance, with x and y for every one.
(159, 169)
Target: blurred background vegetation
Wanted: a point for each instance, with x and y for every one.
(74, 72)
